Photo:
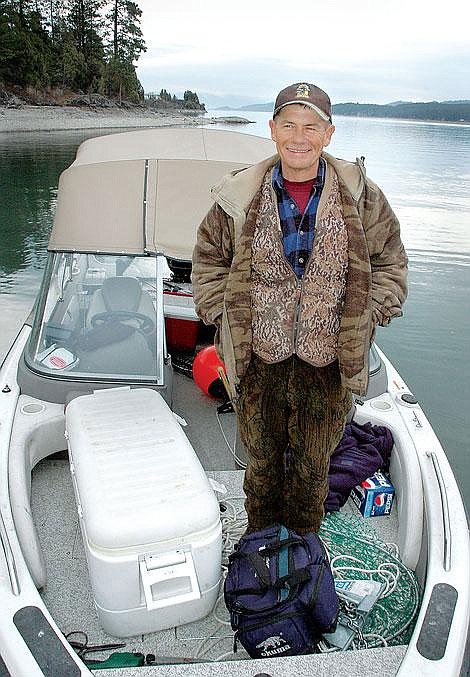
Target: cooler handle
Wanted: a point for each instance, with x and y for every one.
(163, 575)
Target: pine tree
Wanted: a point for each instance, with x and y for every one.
(24, 45)
(190, 99)
(127, 39)
(86, 26)
(88, 45)
(53, 12)
(124, 47)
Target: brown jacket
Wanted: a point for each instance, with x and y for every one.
(377, 266)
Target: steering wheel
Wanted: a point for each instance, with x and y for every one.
(145, 323)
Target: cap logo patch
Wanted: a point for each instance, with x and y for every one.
(303, 91)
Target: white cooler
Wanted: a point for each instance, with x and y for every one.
(150, 520)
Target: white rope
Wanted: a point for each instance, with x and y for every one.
(222, 621)
(389, 578)
(389, 572)
(370, 636)
(234, 524)
(231, 448)
(324, 648)
(224, 656)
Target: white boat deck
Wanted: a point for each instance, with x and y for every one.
(68, 594)
(69, 598)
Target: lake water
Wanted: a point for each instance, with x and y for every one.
(423, 169)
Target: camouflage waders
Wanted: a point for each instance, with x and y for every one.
(291, 417)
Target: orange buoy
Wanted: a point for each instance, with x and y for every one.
(207, 367)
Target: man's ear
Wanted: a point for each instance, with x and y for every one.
(328, 134)
(272, 126)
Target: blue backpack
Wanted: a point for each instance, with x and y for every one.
(280, 592)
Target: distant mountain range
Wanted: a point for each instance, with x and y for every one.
(449, 111)
(443, 111)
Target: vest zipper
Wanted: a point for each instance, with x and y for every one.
(298, 296)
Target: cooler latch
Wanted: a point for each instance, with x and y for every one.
(168, 578)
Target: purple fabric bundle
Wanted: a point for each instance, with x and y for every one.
(363, 450)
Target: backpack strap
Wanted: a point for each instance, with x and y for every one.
(259, 565)
(288, 578)
(271, 549)
(284, 569)
(285, 583)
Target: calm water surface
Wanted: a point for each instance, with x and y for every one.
(423, 169)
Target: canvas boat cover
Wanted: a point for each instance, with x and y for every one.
(146, 191)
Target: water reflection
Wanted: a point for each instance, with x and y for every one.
(28, 182)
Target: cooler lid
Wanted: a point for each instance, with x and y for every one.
(138, 479)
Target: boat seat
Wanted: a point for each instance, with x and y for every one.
(121, 294)
(120, 330)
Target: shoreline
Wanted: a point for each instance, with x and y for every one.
(57, 118)
(29, 118)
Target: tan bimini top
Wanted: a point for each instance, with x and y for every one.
(146, 191)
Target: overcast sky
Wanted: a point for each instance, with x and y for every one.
(371, 51)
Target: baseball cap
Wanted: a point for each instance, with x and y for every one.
(307, 95)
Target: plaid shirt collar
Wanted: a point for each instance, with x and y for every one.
(298, 230)
(278, 179)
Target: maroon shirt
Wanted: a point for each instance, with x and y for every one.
(300, 192)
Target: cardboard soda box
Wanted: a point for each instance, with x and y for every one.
(374, 496)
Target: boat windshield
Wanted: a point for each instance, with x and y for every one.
(100, 317)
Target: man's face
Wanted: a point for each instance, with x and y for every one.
(300, 136)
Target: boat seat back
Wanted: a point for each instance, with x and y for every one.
(120, 346)
(120, 294)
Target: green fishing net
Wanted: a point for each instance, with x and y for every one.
(356, 552)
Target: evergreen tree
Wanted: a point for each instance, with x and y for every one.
(120, 79)
(38, 46)
(88, 45)
(85, 23)
(53, 12)
(71, 62)
(127, 39)
(9, 42)
(24, 47)
(124, 47)
(190, 99)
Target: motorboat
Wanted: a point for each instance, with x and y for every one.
(90, 403)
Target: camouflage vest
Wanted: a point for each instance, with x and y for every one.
(298, 316)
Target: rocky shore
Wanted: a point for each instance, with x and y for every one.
(30, 110)
(27, 110)
(49, 118)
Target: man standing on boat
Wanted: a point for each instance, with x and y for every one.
(296, 263)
